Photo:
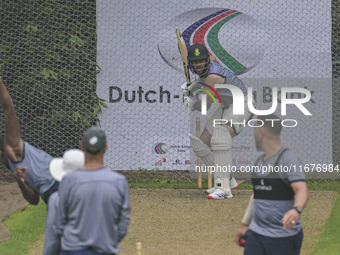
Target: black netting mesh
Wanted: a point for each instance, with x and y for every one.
(48, 54)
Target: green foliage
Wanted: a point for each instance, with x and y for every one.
(32, 28)
(48, 59)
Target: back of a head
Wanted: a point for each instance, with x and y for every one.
(94, 140)
(272, 123)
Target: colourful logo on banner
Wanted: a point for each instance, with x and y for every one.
(158, 148)
(206, 30)
(235, 39)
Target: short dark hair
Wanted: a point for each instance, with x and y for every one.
(272, 126)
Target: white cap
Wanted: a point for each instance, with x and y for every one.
(72, 159)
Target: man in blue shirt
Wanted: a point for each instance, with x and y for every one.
(28, 163)
(94, 207)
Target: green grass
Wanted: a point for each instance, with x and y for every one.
(26, 227)
(324, 184)
(329, 239)
(328, 242)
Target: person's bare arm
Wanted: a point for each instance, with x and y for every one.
(247, 217)
(13, 144)
(29, 194)
(301, 197)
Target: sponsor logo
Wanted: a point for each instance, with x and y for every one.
(241, 148)
(263, 186)
(177, 162)
(160, 148)
(160, 162)
(180, 148)
(228, 35)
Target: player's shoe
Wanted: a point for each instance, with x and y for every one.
(217, 194)
(233, 183)
(220, 193)
(228, 193)
(211, 190)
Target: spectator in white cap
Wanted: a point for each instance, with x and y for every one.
(72, 159)
(94, 206)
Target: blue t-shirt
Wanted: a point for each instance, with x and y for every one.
(37, 175)
(93, 211)
(273, 195)
(52, 241)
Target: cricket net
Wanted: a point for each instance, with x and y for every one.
(57, 69)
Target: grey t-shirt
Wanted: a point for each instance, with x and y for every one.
(52, 241)
(269, 208)
(37, 175)
(93, 211)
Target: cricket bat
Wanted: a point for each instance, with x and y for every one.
(184, 54)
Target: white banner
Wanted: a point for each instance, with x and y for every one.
(277, 44)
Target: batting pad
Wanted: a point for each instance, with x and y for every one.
(201, 150)
(221, 144)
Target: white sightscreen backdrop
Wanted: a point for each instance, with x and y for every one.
(272, 44)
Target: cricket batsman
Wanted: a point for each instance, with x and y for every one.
(215, 143)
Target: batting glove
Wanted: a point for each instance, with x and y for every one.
(189, 102)
(185, 89)
(195, 86)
